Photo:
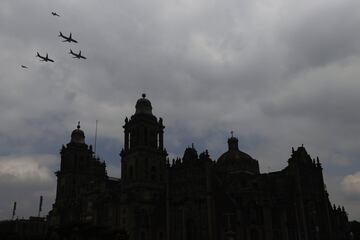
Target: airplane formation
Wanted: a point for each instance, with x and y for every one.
(65, 38)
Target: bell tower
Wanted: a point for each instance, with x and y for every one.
(79, 172)
(143, 158)
(143, 173)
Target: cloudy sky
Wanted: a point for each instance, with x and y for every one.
(278, 73)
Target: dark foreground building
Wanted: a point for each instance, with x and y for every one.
(192, 198)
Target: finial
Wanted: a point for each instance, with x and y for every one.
(302, 145)
(292, 149)
(143, 95)
(78, 126)
(232, 134)
(192, 145)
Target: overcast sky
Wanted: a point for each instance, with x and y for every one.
(278, 73)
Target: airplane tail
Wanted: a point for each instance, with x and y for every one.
(71, 51)
(60, 35)
(37, 54)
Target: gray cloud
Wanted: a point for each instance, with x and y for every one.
(351, 185)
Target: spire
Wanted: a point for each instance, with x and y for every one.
(78, 125)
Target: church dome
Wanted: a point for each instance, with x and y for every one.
(236, 160)
(143, 105)
(78, 136)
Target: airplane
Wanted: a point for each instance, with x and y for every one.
(23, 66)
(44, 59)
(78, 56)
(55, 14)
(67, 39)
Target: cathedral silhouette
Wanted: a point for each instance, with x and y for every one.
(188, 198)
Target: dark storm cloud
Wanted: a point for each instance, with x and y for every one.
(278, 74)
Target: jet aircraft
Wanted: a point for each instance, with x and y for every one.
(44, 59)
(23, 66)
(67, 39)
(77, 55)
(55, 14)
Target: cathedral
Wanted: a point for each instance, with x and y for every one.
(189, 198)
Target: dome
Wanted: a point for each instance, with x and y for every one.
(143, 105)
(78, 136)
(236, 160)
